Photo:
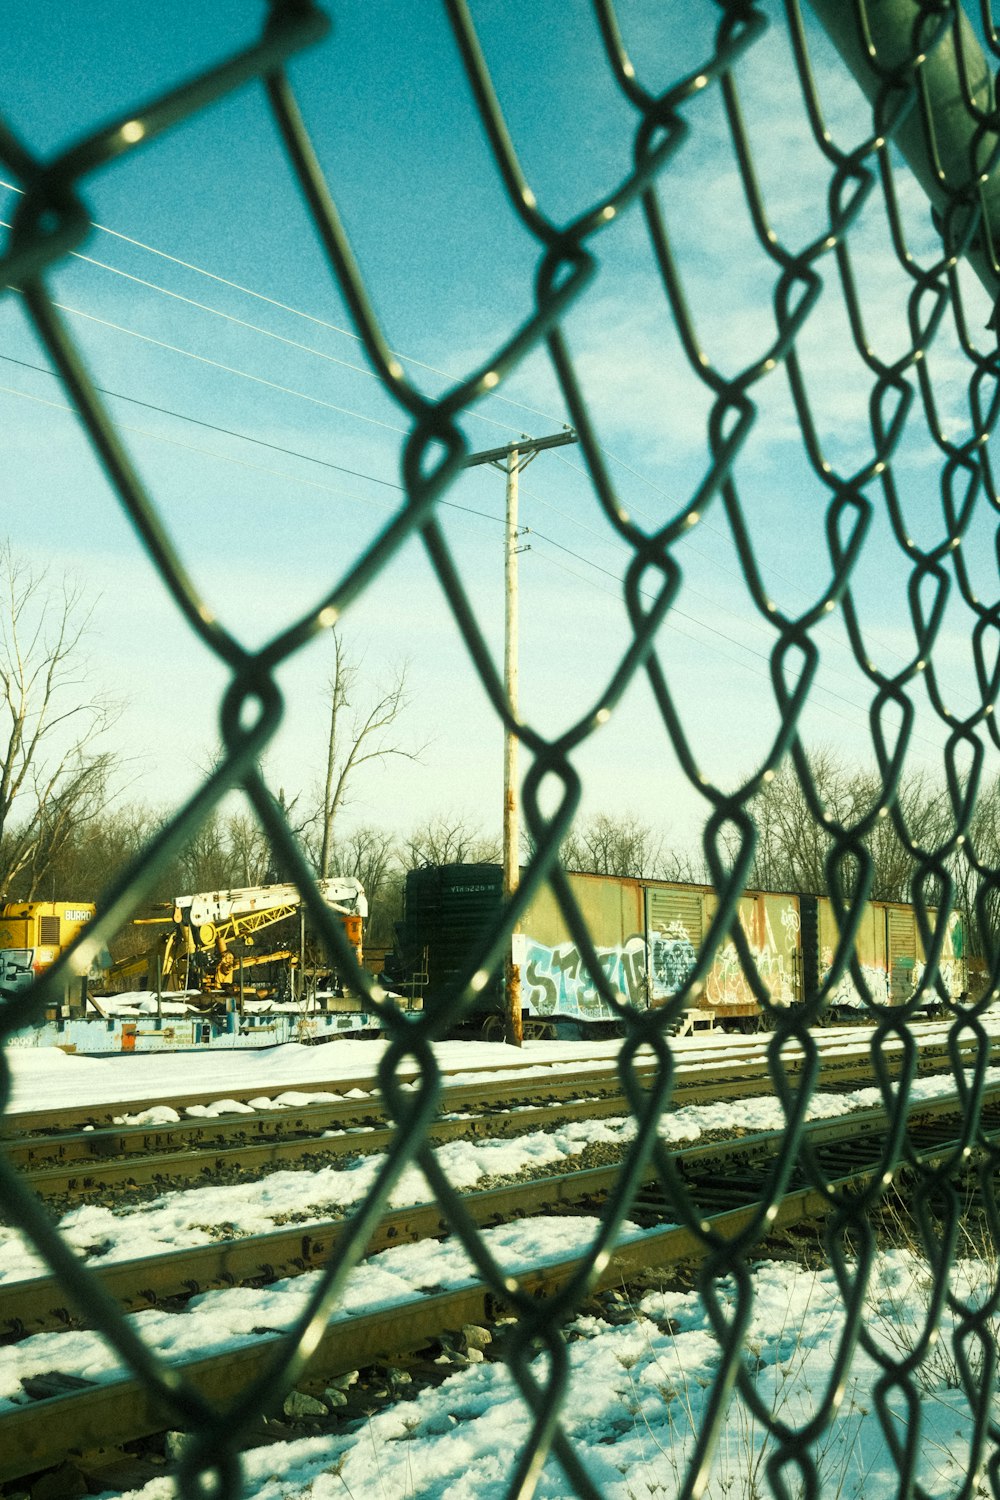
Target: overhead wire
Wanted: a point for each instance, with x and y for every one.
(271, 301)
(161, 437)
(702, 625)
(245, 437)
(203, 359)
(706, 524)
(362, 417)
(676, 613)
(341, 410)
(753, 620)
(451, 505)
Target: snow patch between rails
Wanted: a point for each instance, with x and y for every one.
(219, 1320)
(193, 1216)
(638, 1396)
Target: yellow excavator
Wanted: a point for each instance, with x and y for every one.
(33, 934)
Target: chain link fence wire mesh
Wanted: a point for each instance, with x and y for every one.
(912, 176)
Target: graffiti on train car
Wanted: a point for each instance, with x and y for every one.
(899, 985)
(557, 981)
(951, 972)
(672, 957)
(845, 994)
(775, 962)
(886, 989)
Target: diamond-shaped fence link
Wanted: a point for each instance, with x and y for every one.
(930, 119)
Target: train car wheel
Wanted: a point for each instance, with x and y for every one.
(493, 1029)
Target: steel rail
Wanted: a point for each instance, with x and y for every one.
(40, 1303)
(274, 1124)
(102, 1117)
(165, 1168)
(40, 1435)
(98, 1115)
(29, 1151)
(92, 1162)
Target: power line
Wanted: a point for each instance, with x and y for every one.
(357, 369)
(676, 611)
(341, 410)
(702, 625)
(216, 364)
(453, 505)
(340, 468)
(753, 619)
(229, 432)
(277, 303)
(211, 426)
(350, 334)
(218, 312)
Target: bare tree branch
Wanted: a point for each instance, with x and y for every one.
(450, 839)
(622, 845)
(356, 736)
(52, 775)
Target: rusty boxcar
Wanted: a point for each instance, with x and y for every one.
(647, 934)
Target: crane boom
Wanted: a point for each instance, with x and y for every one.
(344, 893)
(204, 926)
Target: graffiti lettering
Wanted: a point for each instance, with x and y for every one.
(556, 980)
(896, 989)
(727, 984)
(845, 994)
(671, 960)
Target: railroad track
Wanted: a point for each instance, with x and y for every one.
(94, 1159)
(724, 1177)
(744, 1061)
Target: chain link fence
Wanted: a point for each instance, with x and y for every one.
(930, 118)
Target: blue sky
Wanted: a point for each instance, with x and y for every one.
(266, 526)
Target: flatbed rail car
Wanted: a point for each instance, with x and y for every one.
(647, 934)
(193, 973)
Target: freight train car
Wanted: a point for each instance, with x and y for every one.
(647, 934)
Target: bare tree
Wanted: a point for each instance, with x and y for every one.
(68, 812)
(369, 854)
(622, 845)
(249, 850)
(449, 839)
(358, 732)
(977, 875)
(793, 848)
(99, 845)
(53, 776)
(228, 849)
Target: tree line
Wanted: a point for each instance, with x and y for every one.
(64, 825)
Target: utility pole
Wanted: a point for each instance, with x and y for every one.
(510, 460)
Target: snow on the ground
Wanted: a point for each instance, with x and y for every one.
(218, 1320)
(638, 1396)
(44, 1077)
(637, 1393)
(193, 1216)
